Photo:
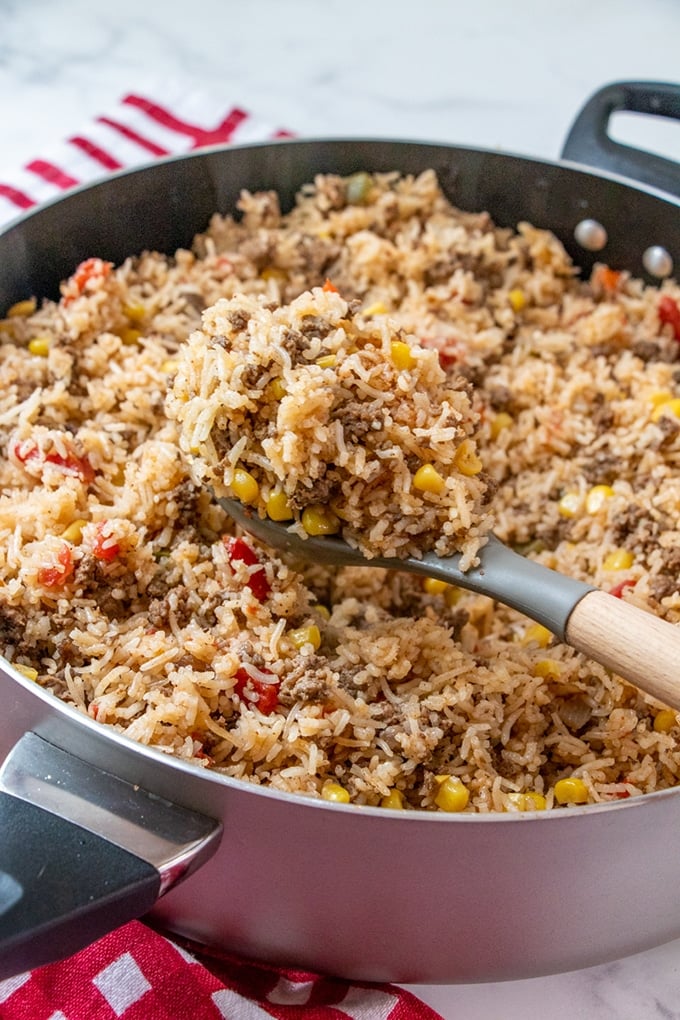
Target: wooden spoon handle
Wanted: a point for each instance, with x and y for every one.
(630, 641)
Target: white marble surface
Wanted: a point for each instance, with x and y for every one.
(494, 73)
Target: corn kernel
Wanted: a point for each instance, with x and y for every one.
(22, 308)
(309, 635)
(517, 299)
(537, 634)
(571, 791)
(434, 587)
(660, 397)
(393, 800)
(129, 335)
(466, 459)
(665, 720)
(74, 532)
(537, 801)
(570, 504)
(316, 520)
(452, 595)
(278, 508)
(169, 366)
(547, 667)
(273, 273)
(527, 801)
(377, 308)
(327, 361)
(334, 792)
(244, 486)
(619, 559)
(428, 479)
(40, 346)
(452, 794)
(27, 671)
(501, 421)
(323, 611)
(401, 355)
(668, 408)
(276, 389)
(358, 187)
(597, 497)
(135, 312)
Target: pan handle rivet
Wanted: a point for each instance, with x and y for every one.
(591, 235)
(657, 261)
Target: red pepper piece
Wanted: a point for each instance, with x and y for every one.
(608, 279)
(669, 314)
(446, 360)
(79, 467)
(103, 548)
(330, 287)
(267, 693)
(618, 589)
(69, 463)
(55, 575)
(239, 551)
(90, 269)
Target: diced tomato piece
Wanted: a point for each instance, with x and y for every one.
(27, 452)
(70, 464)
(669, 314)
(447, 360)
(90, 269)
(56, 574)
(104, 548)
(239, 551)
(264, 696)
(608, 279)
(618, 589)
(330, 287)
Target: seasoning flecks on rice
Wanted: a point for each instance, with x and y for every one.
(317, 415)
(126, 592)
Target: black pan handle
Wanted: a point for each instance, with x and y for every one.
(62, 887)
(82, 851)
(588, 141)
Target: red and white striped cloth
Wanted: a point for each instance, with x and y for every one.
(135, 973)
(139, 129)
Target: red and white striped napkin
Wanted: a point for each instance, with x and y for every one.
(135, 973)
(138, 130)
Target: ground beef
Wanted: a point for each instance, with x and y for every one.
(669, 426)
(174, 603)
(238, 320)
(310, 681)
(667, 580)
(646, 350)
(294, 343)
(320, 491)
(194, 300)
(12, 625)
(603, 469)
(500, 398)
(314, 325)
(355, 420)
(633, 529)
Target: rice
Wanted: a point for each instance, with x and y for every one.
(125, 591)
(318, 415)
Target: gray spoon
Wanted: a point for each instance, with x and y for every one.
(633, 643)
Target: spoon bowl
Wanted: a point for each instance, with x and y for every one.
(630, 641)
